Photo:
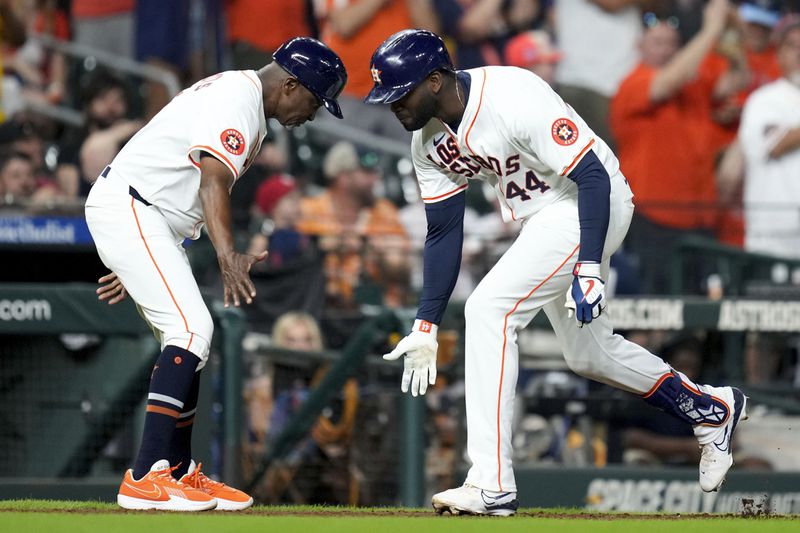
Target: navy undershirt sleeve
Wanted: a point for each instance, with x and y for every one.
(442, 256)
(594, 194)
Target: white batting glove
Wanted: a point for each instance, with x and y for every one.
(420, 347)
(586, 297)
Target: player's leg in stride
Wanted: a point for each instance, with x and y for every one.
(713, 412)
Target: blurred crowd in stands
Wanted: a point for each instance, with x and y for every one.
(665, 82)
(699, 98)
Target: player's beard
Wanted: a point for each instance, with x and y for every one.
(427, 109)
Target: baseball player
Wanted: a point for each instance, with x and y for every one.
(506, 126)
(174, 176)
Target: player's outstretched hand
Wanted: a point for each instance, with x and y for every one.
(113, 290)
(419, 366)
(586, 297)
(235, 268)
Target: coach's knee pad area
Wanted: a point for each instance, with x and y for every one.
(197, 340)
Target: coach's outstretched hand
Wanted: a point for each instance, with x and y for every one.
(586, 297)
(113, 290)
(420, 347)
(235, 269)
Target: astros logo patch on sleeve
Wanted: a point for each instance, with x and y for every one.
(564, 131)
(233, 141)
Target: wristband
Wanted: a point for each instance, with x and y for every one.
(589, 270)
(423, 326)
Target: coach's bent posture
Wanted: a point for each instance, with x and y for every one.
(506, 126)
(172, 177)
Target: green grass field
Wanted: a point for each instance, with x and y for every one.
(34, 516)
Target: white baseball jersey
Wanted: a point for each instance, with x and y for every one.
(772, 187)
(517, 135)
(222, 115)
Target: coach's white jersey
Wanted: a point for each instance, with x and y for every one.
(772, 186)
(516, 134)
(222, 115)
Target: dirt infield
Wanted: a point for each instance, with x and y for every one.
(341, 512)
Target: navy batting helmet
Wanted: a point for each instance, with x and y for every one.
(316, 67)
(403, 61)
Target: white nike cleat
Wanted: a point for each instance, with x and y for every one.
(716, 458)
(469, 499)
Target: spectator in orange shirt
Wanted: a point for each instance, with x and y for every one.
(661, 119)
(361, 235)
(756, 50)
(759, 18)
(749, 48)
(354, 29)
(256, 28)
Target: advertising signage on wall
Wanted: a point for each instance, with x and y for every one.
(660, 489)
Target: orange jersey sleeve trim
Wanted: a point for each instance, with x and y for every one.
(577, 158)
(445, 195)
(217, 154)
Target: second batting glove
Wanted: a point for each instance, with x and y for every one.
(586, 297)
(420, 347)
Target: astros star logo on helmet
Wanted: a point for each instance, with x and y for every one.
(376, 75)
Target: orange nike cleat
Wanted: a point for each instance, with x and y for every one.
(159, 490)
(228, 498)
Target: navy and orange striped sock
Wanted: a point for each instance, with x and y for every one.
(170, 385)
(180, 448)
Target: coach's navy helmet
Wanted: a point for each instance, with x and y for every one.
(316, 67)
(403, 61)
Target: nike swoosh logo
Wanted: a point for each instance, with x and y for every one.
(154, 494)
(591, 286)
(725, 440)
(437, 141)
(492, 500)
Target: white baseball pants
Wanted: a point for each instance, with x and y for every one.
(535, 274)
(135, 242)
